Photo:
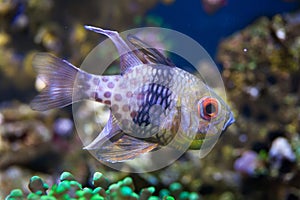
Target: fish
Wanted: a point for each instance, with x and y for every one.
(153, 103)
(212, 6)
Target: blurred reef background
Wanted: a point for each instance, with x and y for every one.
(256, 45)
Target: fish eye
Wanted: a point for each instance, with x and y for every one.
(208, 108)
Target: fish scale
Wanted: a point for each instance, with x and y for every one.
(152, 97)
(147, 90)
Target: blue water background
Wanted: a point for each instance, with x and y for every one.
(189, 17)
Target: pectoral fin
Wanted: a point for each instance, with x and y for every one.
(110, 130)
(113, 145)
(123, 147)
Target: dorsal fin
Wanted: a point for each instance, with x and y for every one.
(127, 57)
(148, 52)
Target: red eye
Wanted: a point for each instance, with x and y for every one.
(208, 108)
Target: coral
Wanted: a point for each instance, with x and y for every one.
(247, 163)
(31, 26)
(69, 188)
(264, 91)
(261, 73)
(24, 134)
(31, 140)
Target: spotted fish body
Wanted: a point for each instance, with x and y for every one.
(152, 102)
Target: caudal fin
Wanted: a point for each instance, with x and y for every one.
(59, 77)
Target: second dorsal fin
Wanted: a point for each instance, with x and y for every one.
(149, 53)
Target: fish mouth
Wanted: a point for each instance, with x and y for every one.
(230, 121)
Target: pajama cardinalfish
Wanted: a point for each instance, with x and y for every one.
(152, 102)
